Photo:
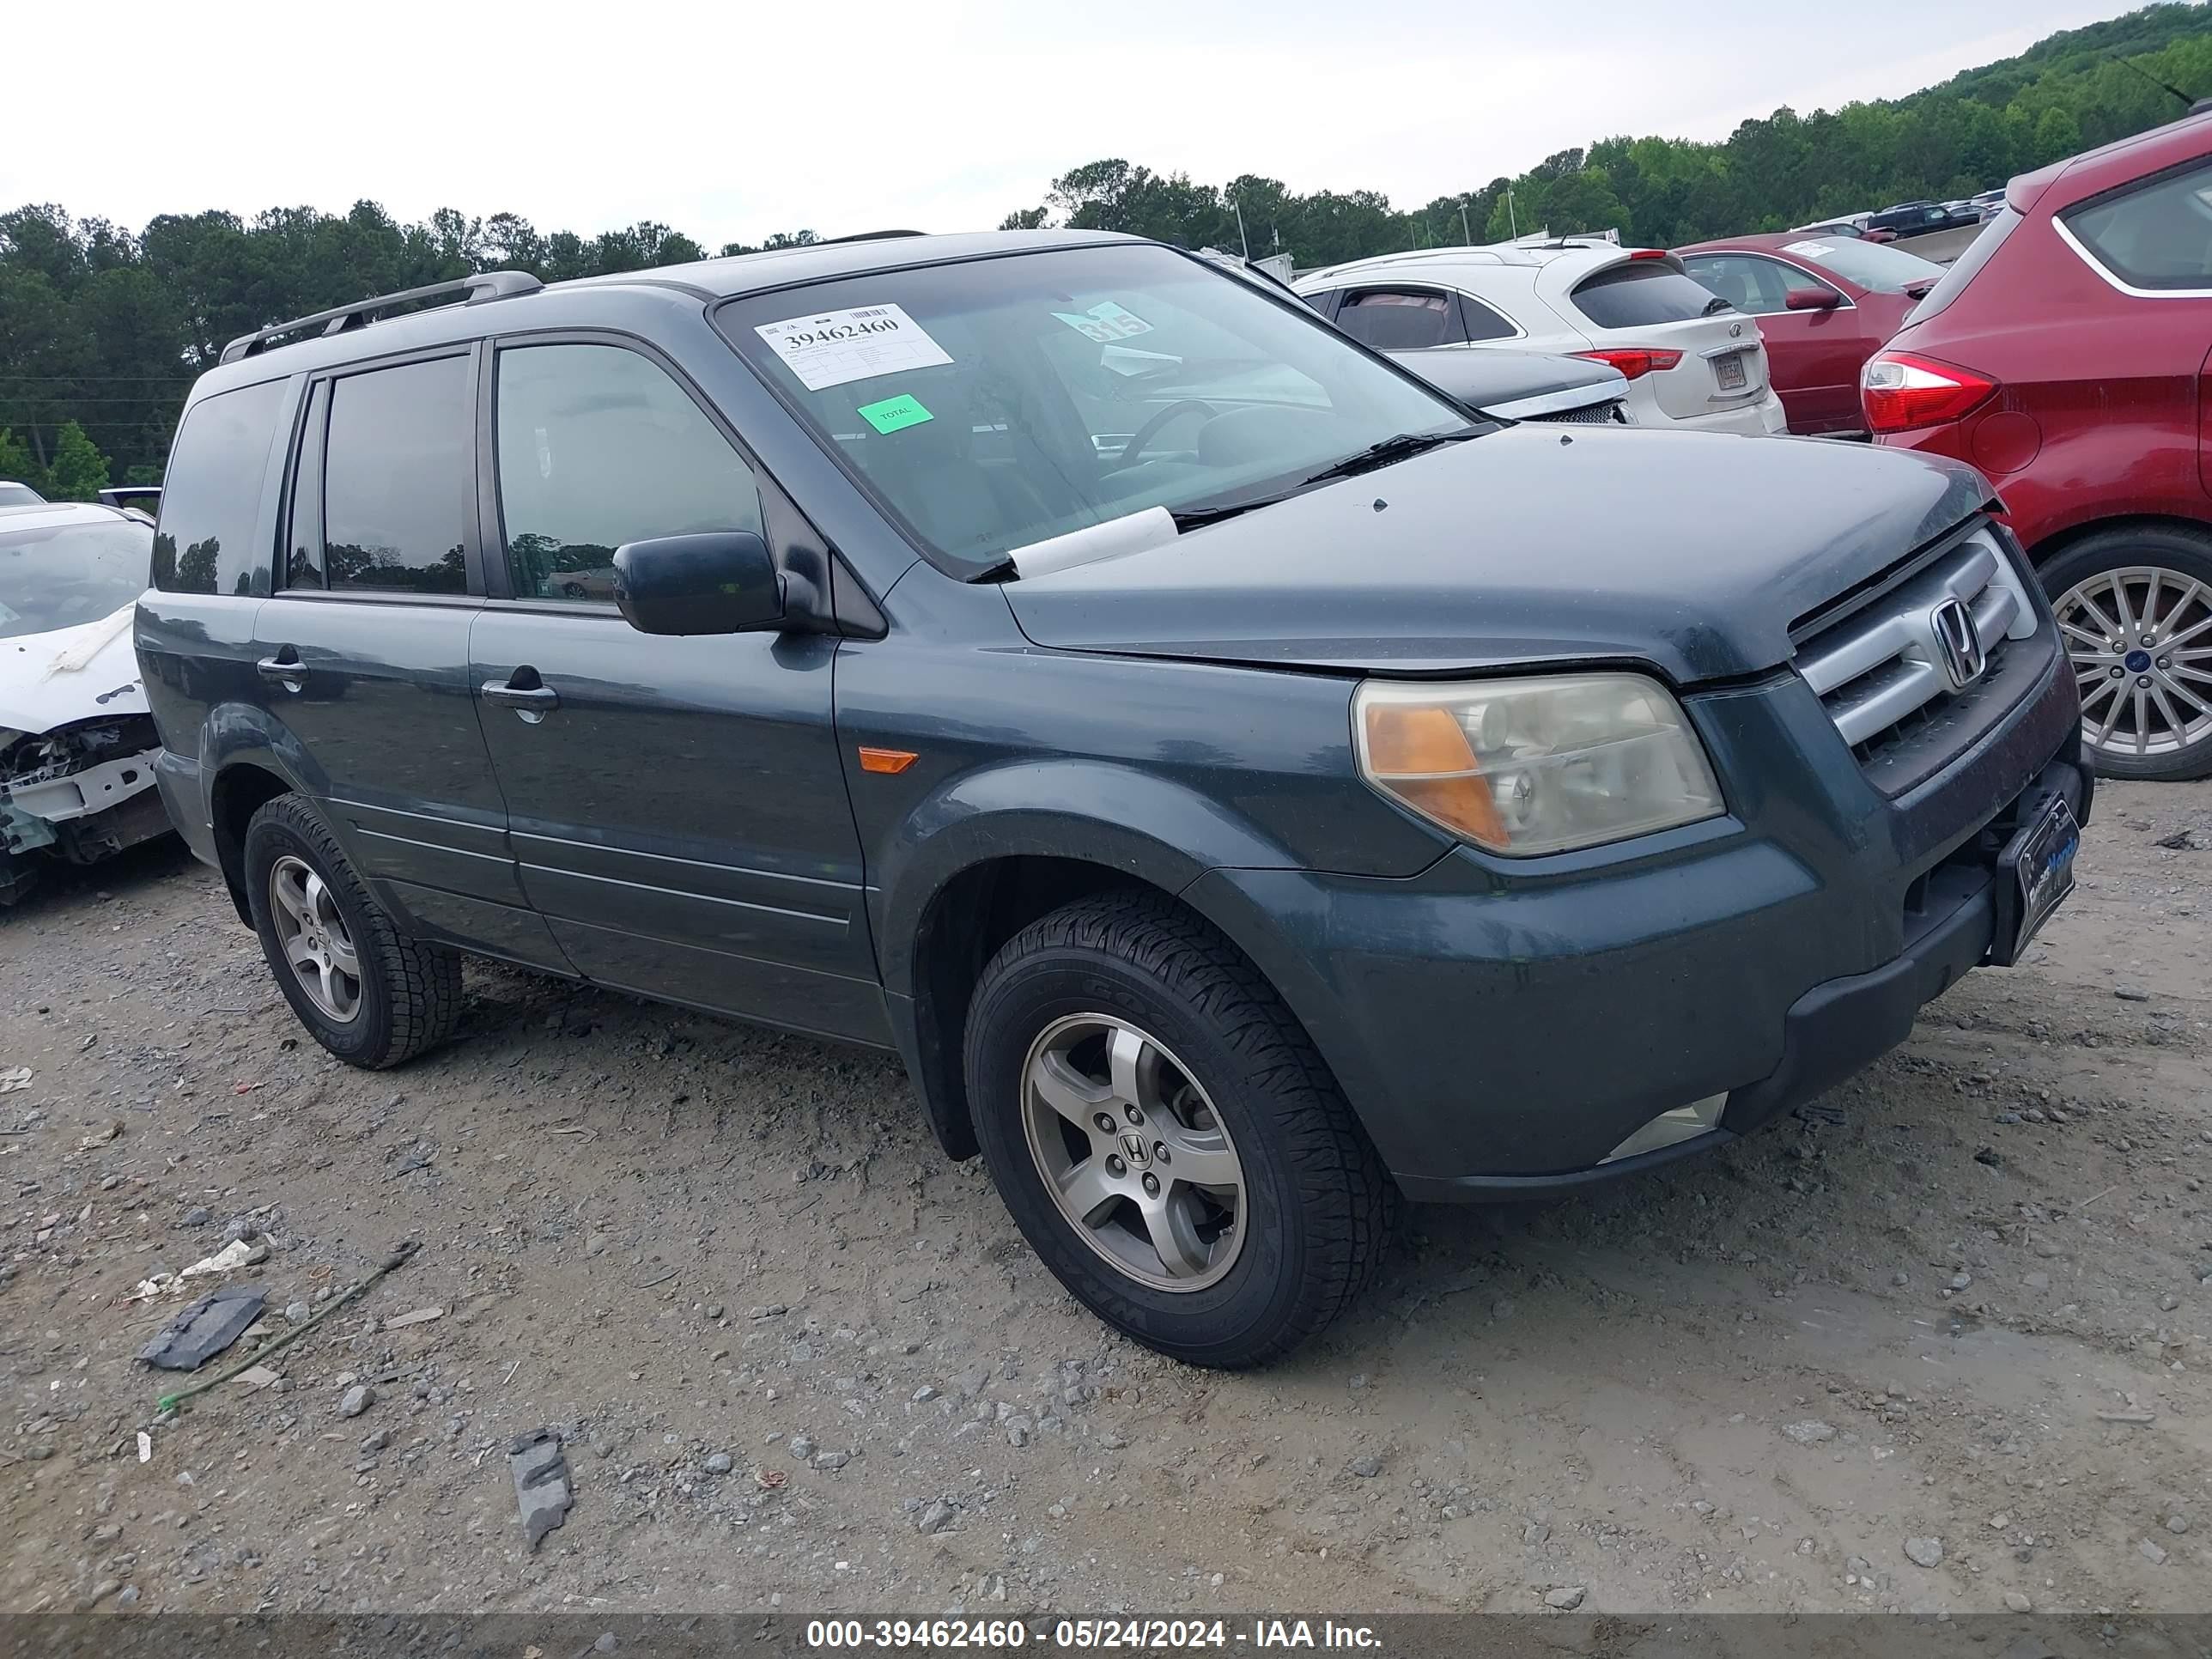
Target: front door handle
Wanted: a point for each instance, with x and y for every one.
(285, 668)
(524, 692)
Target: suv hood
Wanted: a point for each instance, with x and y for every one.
(1692, 552)
(82, 673)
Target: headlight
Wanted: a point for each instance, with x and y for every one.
(1522, 767)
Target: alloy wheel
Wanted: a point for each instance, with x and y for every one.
(1132, 1152)
(2140, 638)
(313, 938)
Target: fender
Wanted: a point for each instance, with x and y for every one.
(1134, 822)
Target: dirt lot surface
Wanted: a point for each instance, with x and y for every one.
(1936, 1342)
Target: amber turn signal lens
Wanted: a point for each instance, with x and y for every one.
(887, 760)
(1421, 755)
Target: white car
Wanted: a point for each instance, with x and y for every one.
(1691, 360)
(76, 743)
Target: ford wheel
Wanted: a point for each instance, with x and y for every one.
(2134, 610)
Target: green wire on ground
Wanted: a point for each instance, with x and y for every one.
(175, 1402)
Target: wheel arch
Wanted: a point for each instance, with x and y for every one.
(977, 864)
(2059, 541)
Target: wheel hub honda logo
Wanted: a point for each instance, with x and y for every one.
(1959, 641)
(1132, 1147)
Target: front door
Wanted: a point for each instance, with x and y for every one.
(361, 653)
(676, 805)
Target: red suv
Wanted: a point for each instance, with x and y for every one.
(2065, 356)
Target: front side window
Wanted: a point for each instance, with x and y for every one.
(398, 477)
(62, 574)
(991, 404)
(1398, 319)
(1638, 293)
(211, 494)
(598, 446)
(2157, 234)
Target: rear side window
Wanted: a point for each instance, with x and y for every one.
(1394, 320)
(398, 479)
(598, 447)
(1759, 287)
(1964, 269)
(1640, 292)
(211, 494)
(2157, 234)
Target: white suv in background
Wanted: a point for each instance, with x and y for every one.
(1691, 360)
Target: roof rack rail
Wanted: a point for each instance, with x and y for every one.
(484, 285)
(867, 236)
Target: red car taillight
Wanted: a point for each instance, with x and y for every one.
(1634, 362)
(1901, 391)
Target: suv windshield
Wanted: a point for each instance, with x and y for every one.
(996, 402)
(57, 575)
(1873, 265)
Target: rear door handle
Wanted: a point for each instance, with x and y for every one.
(532, 699)
(285, 668)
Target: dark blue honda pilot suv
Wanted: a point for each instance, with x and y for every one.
(1244, 787)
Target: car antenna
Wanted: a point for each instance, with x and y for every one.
(2196, 105)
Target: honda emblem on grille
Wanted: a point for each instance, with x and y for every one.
(1959, 641)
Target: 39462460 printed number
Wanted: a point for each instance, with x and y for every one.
(984, 1635)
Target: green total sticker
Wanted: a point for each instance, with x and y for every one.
(895, 414)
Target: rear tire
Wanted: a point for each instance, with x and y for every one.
(2146, 590)
(1271, 1214)
(367, 993)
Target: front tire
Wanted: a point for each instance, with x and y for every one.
(2135, 612)
(367, 993)
(1165, 1136)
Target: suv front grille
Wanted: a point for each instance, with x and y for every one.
(1589, 415)
(1898, 675)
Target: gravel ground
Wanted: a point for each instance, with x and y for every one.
(1935, 1342)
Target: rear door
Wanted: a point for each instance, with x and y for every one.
(1402, 317)
(362, 650)
(676, 805)
(1813, 356)
(2151, 242)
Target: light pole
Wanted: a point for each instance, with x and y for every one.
(1237, 207)
(1512, 223)
(1464, 228)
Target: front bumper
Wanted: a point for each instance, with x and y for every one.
(1502, 1028)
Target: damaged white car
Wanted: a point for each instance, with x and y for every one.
(76, 745)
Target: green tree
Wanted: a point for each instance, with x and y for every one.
(79, 471)
(18, 464)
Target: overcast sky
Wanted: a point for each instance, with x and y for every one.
(731, 121)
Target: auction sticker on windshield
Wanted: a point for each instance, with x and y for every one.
(1105, 322)
(1808, 250)
(855, 345)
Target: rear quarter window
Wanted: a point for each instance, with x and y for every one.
(211, 494)
(1640, 293)
(1964, 269)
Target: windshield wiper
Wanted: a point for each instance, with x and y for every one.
(1190, 518)
(1716, 303)
(1392, 449)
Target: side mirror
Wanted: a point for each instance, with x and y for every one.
(1812, 298)
(723, 582)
